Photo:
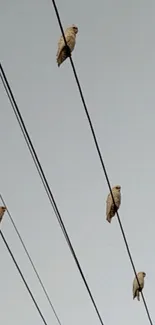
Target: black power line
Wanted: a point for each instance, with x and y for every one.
(20, 272)
(31, 261)
(100, 155)
(44, 181)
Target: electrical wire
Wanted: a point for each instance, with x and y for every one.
(23, 279)
(45, 182)
(31, 261)
(100, 156)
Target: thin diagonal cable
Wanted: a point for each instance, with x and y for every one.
(21, 274)
(44, 181)
(31, 261)
(99, 153)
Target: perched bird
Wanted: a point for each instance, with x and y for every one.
(2, 210)
(65, 51)
(111, 209)
(136, 289)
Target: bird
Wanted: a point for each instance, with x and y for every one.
(2, 210)
(136, 288)
(111, 209)
(65, 51)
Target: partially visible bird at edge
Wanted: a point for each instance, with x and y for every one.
(65, 51)
(2, 210)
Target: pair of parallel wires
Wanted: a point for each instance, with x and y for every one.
(51, 197)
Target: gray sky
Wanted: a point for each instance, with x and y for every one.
(114, 58)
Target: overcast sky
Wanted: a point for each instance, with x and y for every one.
(115, 61)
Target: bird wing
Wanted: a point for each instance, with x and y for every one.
(70, 39)
(135, 287)
(61, 45)
(109, 204)
(141, 281)
(117, 198)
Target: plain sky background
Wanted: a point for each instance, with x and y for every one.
(115, 62)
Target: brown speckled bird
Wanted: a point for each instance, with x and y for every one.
(111, 209)
(136, 289)
(63, 51)
(2, 210)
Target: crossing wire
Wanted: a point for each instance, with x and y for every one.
(31, 261)
(45, 182)
(100, 155)
(22, 277)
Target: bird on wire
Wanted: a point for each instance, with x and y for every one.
(65, 51)
(136, 289)
(112, 208)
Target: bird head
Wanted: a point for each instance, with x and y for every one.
(143, 274)
(75, 29)
(3, 209)
(117, 188)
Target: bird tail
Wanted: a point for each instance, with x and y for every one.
(59, 61)
(138, 295)
(108, 219)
